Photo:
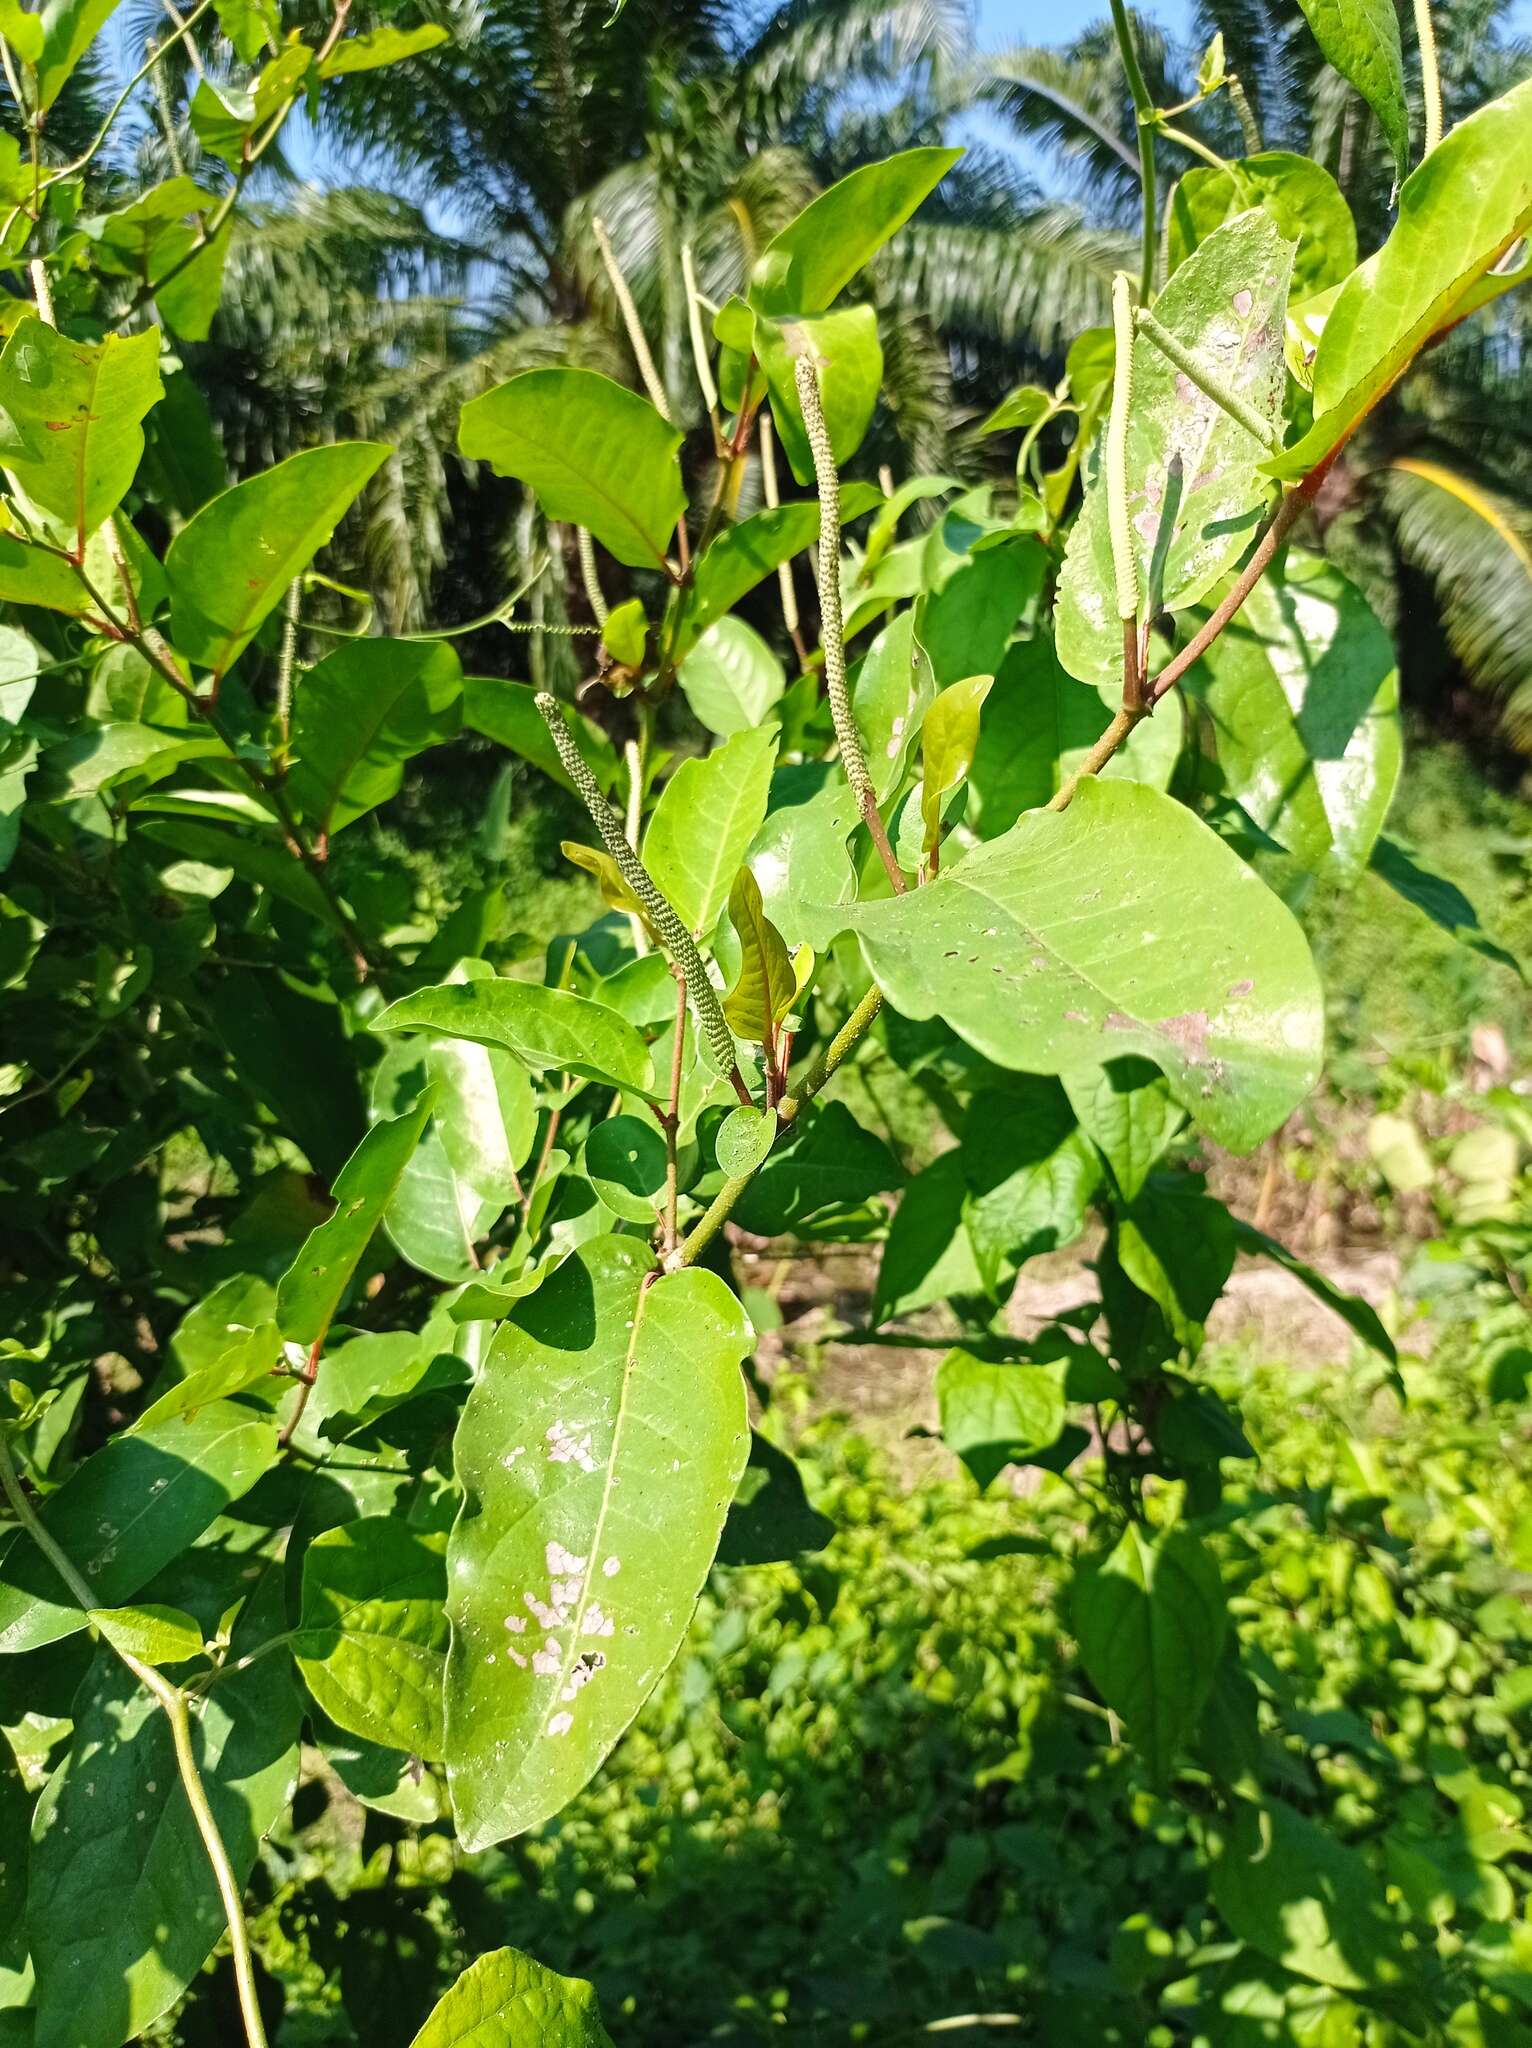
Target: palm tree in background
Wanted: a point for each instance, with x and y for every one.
(685, 124)
(1430, 507)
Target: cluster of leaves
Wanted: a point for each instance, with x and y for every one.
(437, 1465)
(878, 1790)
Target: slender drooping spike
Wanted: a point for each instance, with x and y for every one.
(661, 912)
(1124, 561)
(831, 629)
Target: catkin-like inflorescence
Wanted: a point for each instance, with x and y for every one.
(831, 626)
(1124, 561)
(662, 914)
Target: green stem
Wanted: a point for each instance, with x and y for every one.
(1209, 382)
(174, 1703)
(1143, 108)
(718, 1211)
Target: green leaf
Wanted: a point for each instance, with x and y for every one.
(69, 29)
(244, 1356)
(224, 119)
(1023, 407)
(314, 1285)
(189, 300)
(745, 1136)
(806, 267)
(127, 1511)
(598, 1453)
(1359, 1315)
(731, 679)
(71, 416)
(799, 856)
(1360, 38)
(545, 1027)
(23, 30)
(928, 1255)
(949, 735)
(1177, 1245)
(372, 1643)
(1038, 726)
(434, 1216)
(891, 693)
(625, 633)
(505, 2000)
(28, 575)
(766, 986)
(362, 713)
(1122, 925)
(507, 713)
(1440, 899)
(1150, 1619)
(845, 348)
(625, 1160)
(1460, 211)
(1030, 1173)
(155, 1635)
(730, 567)
(485, 1112)
(1126, 1109)
(231, 563)
(251, 26)
(1195, 485)
(123, 1908)
(1302, 198)
(381, 46)
(1295, 1893)
(998, 1415)
(828, 1164)
(595, 454)
(1303, 692)
(966, 623)
(707, 815)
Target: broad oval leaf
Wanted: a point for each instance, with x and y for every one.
(1361, 39)
(1195, 486)
(545, 1027)
(1151, 1621)
(594, 452)
(1126, 1109)
(1308, 1901)
(707, 815)
(381, 46)
(816, 256)
(372, 1643)
(745, 1136)
(1303, 692)
(1122, 925)
(1030, 1173)
(231, 563)
(598, 1453)
(848, 355)
(1460, 211)
(743, 556)
(891, 693)
(69, 27)
(1307, 205)
(154, 1634)
(998, 1415)
(362, 713)
(949, 735)
(731, 678)
(506, 2000)
(766, 985)
(71, 416)
(127, 1511)
(625, 1159)
(434, 1216)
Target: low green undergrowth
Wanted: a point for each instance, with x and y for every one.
(877, 1799)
